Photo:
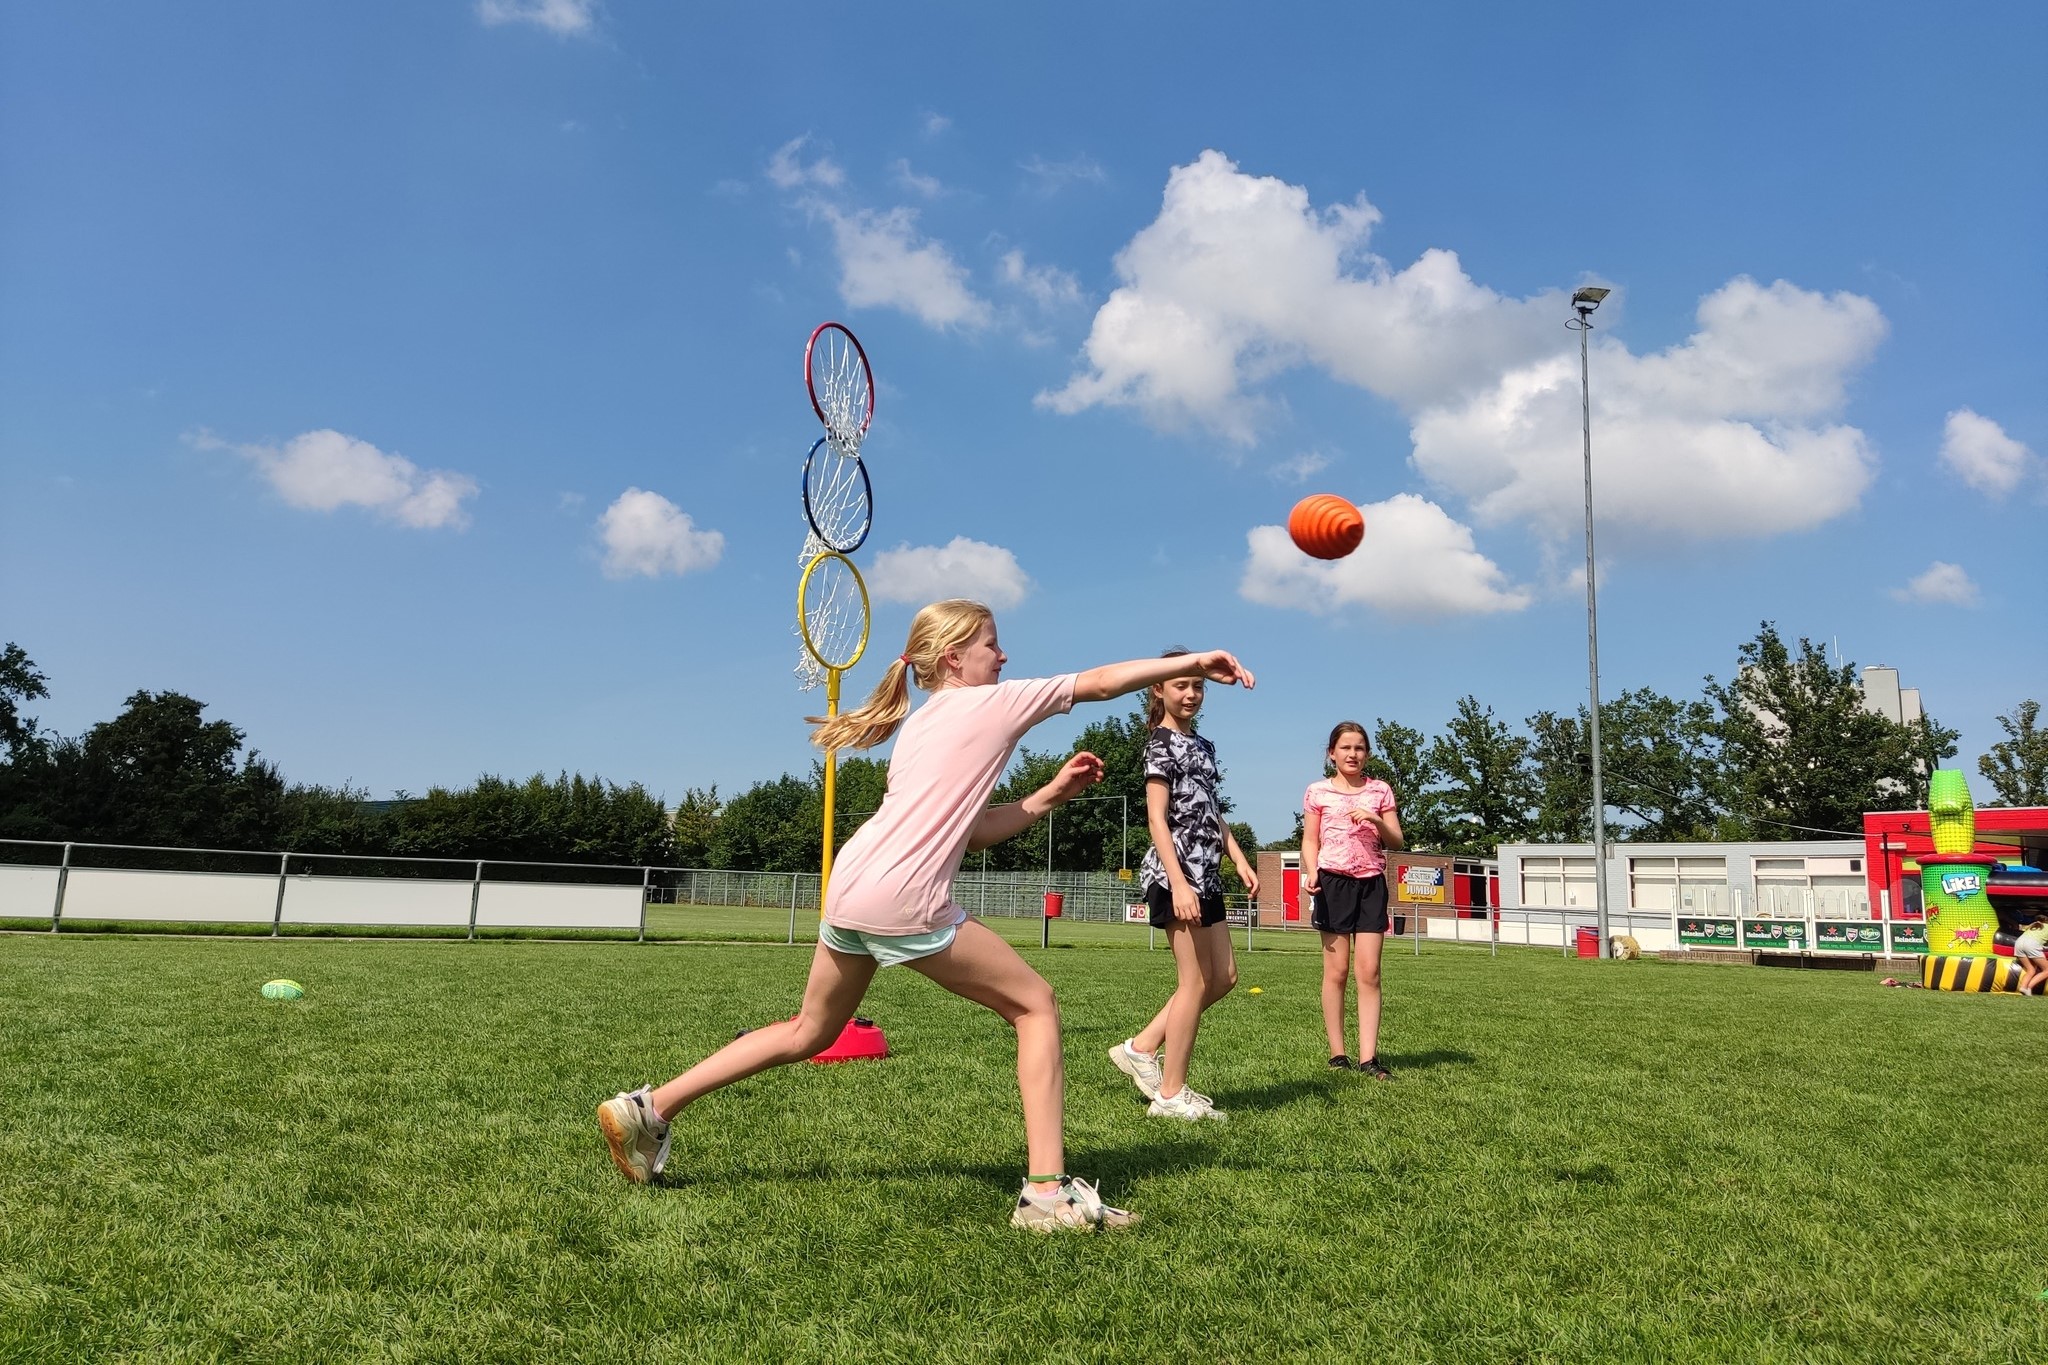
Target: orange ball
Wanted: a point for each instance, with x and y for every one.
(1325, 526)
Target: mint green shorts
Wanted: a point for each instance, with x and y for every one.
(888, 950)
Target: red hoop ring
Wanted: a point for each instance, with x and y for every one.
(867, 379)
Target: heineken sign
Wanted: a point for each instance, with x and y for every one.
(1848, 936)
(1773, 933)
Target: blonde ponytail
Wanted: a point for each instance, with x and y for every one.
(935, 629)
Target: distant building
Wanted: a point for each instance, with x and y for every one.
(1882, 695)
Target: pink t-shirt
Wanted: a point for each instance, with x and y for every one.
(1347, 847)
(895, 875)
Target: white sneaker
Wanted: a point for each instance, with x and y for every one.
(1186, 1105)
(1144, 1071)
(1073, 1207)
(636, 1135)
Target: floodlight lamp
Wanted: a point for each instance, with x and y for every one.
(1588, 298)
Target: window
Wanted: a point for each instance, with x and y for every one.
(1688, 885)
(1557, 881)
(1824, 887)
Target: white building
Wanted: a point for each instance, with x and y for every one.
(1882, 694)
(1661, 893)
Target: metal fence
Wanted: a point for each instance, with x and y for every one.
(242, 887)
(247, 891)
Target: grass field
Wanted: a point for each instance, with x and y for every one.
(1580, 1161)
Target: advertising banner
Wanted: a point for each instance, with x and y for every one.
(1706, 933)
(1786, 934)
(1137, 914)
(1418, 885)
(1848, 936)
(1909, 936)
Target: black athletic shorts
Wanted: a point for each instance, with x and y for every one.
(1350, 905)
(1159, 900)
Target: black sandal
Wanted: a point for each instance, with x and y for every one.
(1340, 1062)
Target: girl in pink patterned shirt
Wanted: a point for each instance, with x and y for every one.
(890, 898)
(1348, 822)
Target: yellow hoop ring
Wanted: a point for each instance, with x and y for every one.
(803, 618)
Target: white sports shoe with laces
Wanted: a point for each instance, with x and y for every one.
(1073, 1207)
(636, 1135)
(1188, 1104)
(1144, 1070)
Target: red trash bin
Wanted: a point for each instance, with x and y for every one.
(1588, 940)
(1055, 904)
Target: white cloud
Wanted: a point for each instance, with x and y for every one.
(1721, 436)
(960, 568)
(563, 17)
(1300, 468)
(1054, 176)
(324, 470)
(1977, 450)
(646, 534)
(1943, 584)
(1047, 285)
(925, 186)
(934, 124)
(1240, 278)
(787, 170)
(883, 262)
(1415, 562)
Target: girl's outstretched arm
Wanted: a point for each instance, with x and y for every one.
(1113, 680)
(998, 823)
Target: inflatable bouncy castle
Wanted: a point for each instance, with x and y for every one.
(1955, 886)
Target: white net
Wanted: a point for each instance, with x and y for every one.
(834, 605)
(837, 498)
(841, 387)
(809, 672)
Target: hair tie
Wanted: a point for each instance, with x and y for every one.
(906, 661)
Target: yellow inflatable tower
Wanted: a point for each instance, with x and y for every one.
(1955, 893)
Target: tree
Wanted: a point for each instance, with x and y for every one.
(2018, 764)
(1402, 758)
(572, 819)
(858, 786)
(1091, 833)
(317, 819)
(696, 825)
(772, 826)
(20, 681)
(1026, 850)
(159, 773)
(1657, 759)
(1800, 752)
(1488, 795)
(1657, 770)
(1561, 771)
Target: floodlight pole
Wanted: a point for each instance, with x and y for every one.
(1584, 302)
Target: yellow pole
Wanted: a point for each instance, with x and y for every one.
(831, 772)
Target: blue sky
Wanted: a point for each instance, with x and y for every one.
(341, 347)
